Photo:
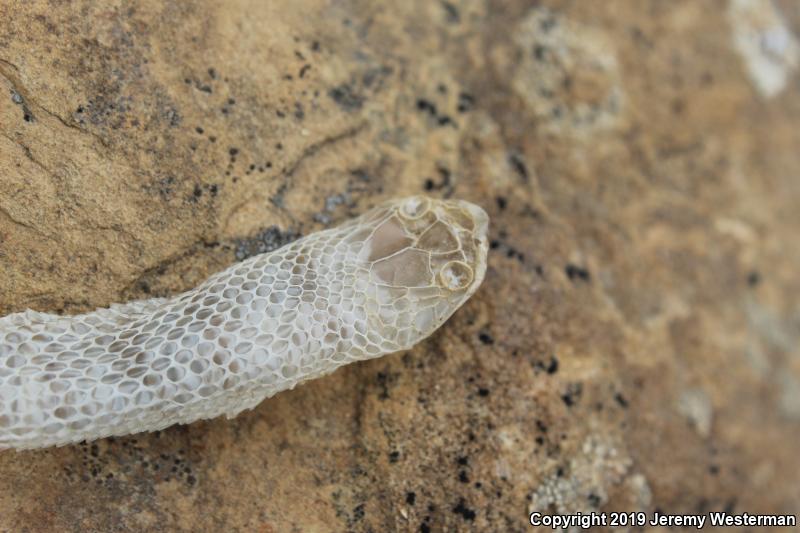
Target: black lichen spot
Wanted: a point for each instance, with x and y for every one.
(575, 272)
(172, 116)
(383, 380)
(164, 187)
(299, 113)
(346, 98)
(444, 183)
(594, 500)
(267, 240)
(550, 367)
(465, 102)
(465, 512)
(374, 75)
(394, 456)
(233, 151)
(463, 477)
(358, 512)
(451, 13)
(411, 498)
(429, 108)
(485, 338)
(519, 166)
(361, 175)
(621, 400)
(199, 130)
(426, 107)
(212, 73)
(303, 70)
(27, 116)
(483, 392)
(502, 203)
(572, 394)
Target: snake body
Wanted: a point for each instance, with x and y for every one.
(377, 284)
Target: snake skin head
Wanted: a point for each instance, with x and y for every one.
(425, 258)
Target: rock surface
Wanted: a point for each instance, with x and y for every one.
(635, 346)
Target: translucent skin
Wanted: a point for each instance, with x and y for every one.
(377, 284)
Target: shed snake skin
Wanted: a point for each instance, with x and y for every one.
(377, 284)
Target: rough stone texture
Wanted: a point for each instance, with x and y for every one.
(636, 344)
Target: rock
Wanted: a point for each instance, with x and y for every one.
(636, 343)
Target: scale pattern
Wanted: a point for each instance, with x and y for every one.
(377, 284)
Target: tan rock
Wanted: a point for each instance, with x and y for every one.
(640, 168)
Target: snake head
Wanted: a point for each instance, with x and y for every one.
(425, 258)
